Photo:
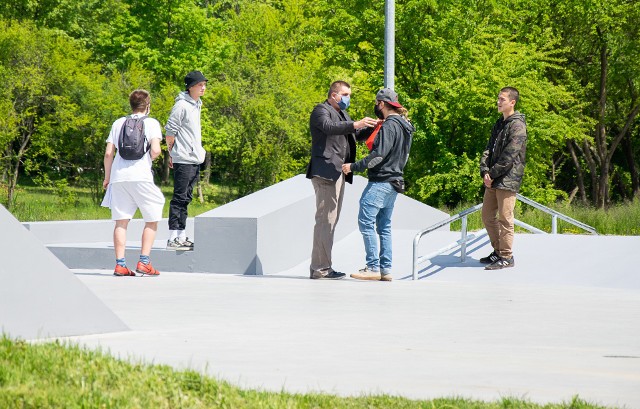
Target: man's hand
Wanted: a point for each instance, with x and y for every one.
(171, 140)
(365, 122)
(346, 168)
(487, 180)
(105, 183)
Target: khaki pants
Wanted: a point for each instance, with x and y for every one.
(497, 216)
(329, 196)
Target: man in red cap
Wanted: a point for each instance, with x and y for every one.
(385, 165)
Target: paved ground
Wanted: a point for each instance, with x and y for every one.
(563, 322)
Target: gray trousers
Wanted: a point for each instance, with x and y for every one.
(329, 196)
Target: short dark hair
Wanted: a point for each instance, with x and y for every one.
(335, 87)
(139, 100)
(513, 93)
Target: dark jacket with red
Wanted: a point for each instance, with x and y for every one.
(387, 159)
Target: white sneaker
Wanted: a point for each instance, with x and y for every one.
(176, 244)
(187, 243)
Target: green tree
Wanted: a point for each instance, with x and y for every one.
(259, 108)
(454, 58)
(603, 52)
(45, 78)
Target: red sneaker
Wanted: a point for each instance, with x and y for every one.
(123, 271)
(146, 269)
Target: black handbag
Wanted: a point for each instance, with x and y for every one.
(398, 185)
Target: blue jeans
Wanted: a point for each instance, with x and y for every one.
(376, 207)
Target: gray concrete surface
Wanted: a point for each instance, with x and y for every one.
(39, 296)
(262, 233)
(563, 322)
(271, 230)
(89, 243)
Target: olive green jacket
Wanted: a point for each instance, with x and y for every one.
(504, 156)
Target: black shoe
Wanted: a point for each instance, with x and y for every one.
(501, 263)
(334, 275)
(491, 258)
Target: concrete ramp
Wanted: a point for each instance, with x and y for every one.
(39, 296)
(272, 230)
(556, 260)
(541, 259)
(263, 233)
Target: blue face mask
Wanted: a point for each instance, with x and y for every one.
(344, 102)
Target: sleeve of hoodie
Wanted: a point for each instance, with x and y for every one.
(382, 146)
(176, 117)
(517, 139)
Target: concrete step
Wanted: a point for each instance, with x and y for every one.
(100, 255)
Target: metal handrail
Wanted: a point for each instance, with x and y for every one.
(465, 238)
(555, 215)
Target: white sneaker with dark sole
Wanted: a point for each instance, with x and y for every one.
(501, 263)
(177, 245)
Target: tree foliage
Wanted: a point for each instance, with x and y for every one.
(66, 68)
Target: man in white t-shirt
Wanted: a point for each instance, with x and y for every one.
(130, 186)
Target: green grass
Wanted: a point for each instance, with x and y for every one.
(56, 375)
(620, 219)
(34, 203)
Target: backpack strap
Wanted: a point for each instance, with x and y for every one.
(148, 148)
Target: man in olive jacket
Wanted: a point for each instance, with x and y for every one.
(502, 169)
(333, 142)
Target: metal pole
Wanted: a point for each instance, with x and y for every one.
(554, 224)
(463, 245)
(414, 269)
(389, 42)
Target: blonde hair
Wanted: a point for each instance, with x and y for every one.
(403, 112)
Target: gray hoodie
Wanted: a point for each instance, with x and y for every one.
(184, 124)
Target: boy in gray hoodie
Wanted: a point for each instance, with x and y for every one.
(184, 143)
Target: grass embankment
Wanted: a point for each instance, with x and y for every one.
(70, 203)
(53, 375)
(620, 219)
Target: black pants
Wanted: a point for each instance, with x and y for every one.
(185, 177)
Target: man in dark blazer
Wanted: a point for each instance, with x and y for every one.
(333, 142)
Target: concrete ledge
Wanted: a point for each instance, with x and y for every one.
(272, 230)
(88, 243)
(93, 231)
(266, 232)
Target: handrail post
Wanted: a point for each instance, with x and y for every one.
(463, 240)
(463, 246)
(414, 269)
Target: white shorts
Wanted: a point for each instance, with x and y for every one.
(126, 197)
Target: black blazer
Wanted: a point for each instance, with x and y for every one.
(333, 142)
